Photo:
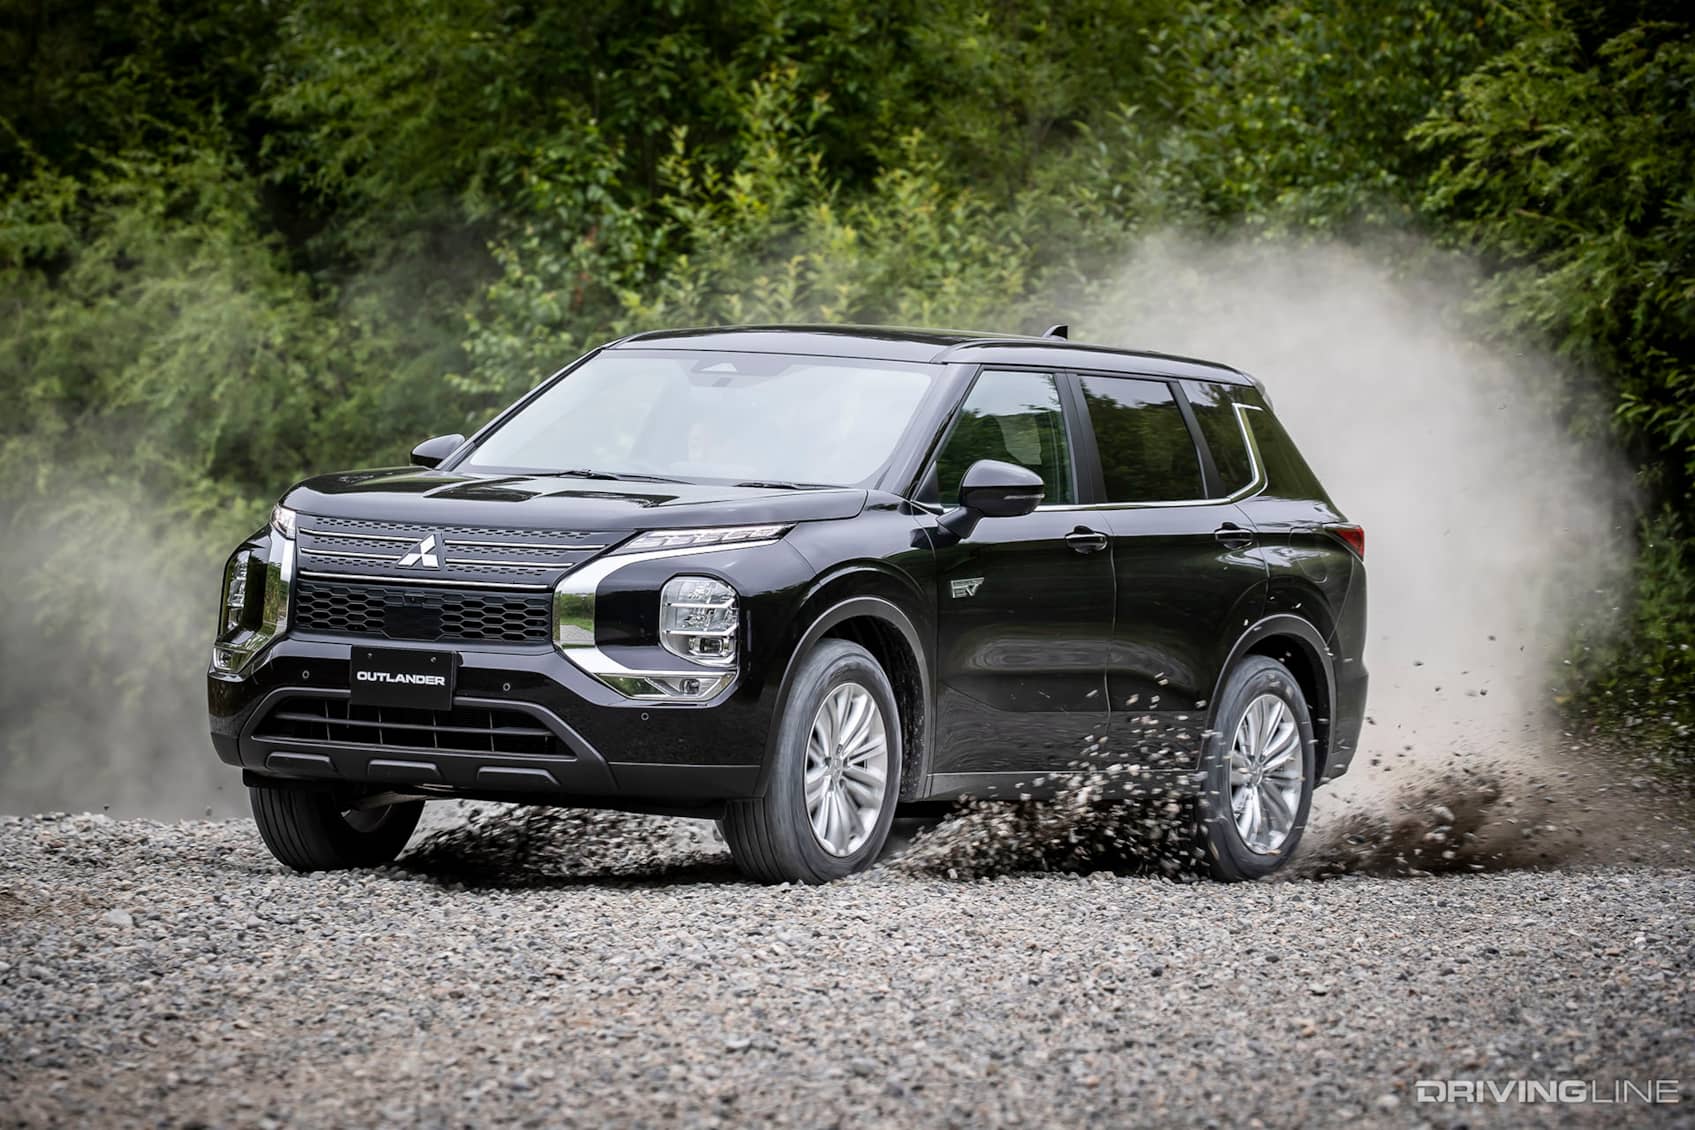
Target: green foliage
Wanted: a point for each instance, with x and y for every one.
(1569, 158)
(1293, 115)
(769, 237)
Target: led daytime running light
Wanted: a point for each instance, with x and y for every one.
(701, 539)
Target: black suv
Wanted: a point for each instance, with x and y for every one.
(789, 578)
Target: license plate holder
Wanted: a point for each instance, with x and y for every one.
(391, 676)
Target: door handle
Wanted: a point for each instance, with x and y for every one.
(1234, 536)
(1085, 540)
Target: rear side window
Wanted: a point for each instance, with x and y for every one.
(1215, 414)
(1147, 453)
(1014, 417)
(1286, 472)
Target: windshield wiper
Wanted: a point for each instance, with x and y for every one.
(776, 484)
(591, 473)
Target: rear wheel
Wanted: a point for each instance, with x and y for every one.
(315, 830)
(1259, 771)
(835, 778)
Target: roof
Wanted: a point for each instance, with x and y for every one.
(892, 343)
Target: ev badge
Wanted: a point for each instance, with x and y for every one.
(966, 586)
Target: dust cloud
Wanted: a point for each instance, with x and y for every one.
(105, 619)
(1491, 531)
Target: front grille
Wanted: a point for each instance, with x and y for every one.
(399, 612)
(478, 557)
(464, 729)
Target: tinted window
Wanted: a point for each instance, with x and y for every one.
(1146, 451)
(1016, 418)
(1215, 412)
(1286, 472)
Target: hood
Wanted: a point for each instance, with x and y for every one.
(415, 496)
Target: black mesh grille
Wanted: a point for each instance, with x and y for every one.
(464, 729)
(401, 613)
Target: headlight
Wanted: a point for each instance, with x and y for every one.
(236, 576)
(698, 619)
(255, 604)
(701, 539)
(282, 521)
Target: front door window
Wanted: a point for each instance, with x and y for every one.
(1016, 418)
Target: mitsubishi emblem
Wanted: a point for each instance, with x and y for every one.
(422, 555)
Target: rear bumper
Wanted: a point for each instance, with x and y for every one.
(525, 725)
(1345, 727)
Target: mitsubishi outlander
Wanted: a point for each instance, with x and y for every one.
(793, 578)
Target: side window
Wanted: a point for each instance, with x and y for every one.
(1221, 427)
(1016, 418)
(1147, 453)
(1286, 472)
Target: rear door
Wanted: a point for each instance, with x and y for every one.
(1188, 579)
(1025, 604)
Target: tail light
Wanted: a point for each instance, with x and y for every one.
(1352, 536)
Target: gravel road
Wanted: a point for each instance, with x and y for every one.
(601, 969)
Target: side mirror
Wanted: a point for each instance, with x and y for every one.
(432, 451)
(992, 489)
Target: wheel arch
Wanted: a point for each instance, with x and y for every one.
(878, 624)
(1297, 644)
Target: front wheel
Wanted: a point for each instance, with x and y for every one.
(314, 830)
(1259, 770)
(835, 777)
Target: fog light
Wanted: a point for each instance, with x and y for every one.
(699, 619)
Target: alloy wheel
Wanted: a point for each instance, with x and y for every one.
(1265, 774)
(847, 769)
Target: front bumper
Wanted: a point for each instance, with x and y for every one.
(526, 724)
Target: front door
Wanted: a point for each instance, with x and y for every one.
(1025, 604)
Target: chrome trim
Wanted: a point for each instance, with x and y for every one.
(361, 537)
(627, 680)
(522, 545)
(372, 578)
(1255, 485)
(347, 554)
(403, 540)
(509, 564)
(1260, 480)
(574, 615)
(574, 594)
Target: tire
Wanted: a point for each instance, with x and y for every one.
(773, 838)
(309, 830)
(1232, 854)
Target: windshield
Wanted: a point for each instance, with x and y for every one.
(714, 417)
